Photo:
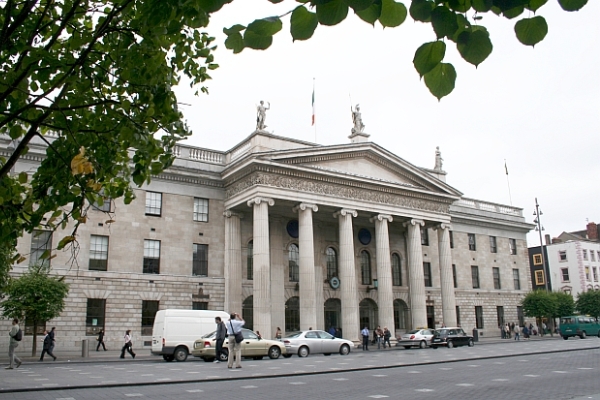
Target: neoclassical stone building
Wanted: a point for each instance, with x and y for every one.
(293, 235)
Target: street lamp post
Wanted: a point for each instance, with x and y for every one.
(538, 220)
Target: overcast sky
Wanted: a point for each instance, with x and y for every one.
(537, 108)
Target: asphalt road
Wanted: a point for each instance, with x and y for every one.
(551, 369)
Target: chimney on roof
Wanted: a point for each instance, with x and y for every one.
(547, 238)
(592, 231)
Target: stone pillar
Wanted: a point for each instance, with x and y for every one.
(319, 299)
(418, 309)
(262, 267)
(447, 281)
(233, 263)
(384, 272)
(306, 282)
(277, 278)
(348, 287)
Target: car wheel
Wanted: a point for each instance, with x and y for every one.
(583, 335)
(450, 344)
(274, 352)
(287, 355)
(168, 358)
(224, 355)
(303, 351)
(345, 350)
(407, 347)
(180, 354)
(567, 338)
(471, 343)
(423, 344)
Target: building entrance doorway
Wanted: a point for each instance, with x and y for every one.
(333, 314)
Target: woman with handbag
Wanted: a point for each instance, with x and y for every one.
(128, 344)
(234, 333)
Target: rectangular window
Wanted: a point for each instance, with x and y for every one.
(520, 316)
(458, 315)
(151, 256)
(595, 273)
(587, 273)
(103, 205)
(562, 255)
(512, 246)
(430, 316)
(41, 242)
(98, 253)
(454, 276)
(424, 237)
(451, 239)
(153, 203)
(592, 255)
(199, 305)
(475, 276)
(250, 261)
(565, 274)
(479, 317)
(200, 209)
(200, 260)
(493, 247)
(500, 315)
(537, 259)
(585, 256)
(516, 279)
(496, 274)
(149, 309)
(427, 274)
(40, 326)
(472, 243)
(539, 278)
(94, 320)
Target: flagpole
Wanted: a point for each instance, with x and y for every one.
(507, 182)
(314, 117)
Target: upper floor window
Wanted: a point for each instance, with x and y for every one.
(475, 276)
(41, 242)
(153, 203)
(537, 259)
(332, 263)
(250, 260)
(512, 246)
(365, 267)
(472, 244)
(595, 273)
(539, 278)
(562, 255)
(587, 273)
(200, 209)
(451, 239)
(454, 279)
(103, 205)
(585, 256)
(200, 260)
(424, 237)
(151, 256)
(293, 259)
(98, 252)
(427, 274)
(516, 279)
(564, 272)
(496, 274)
(592, 255)
(493, 247)
(396, 270)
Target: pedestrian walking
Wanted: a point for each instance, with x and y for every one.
(379, 337)
(507, 331)
(386, 337)
(502, 333)
(278, 333)
(100, 340)
(220, 338)
(365, 336)
(48, 345)
(234, 326)
(15, 334)
(517, 331)
(128, 344)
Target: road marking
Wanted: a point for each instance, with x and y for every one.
(340, 379)
(473, 365)
(560, 372)
(499, 362)
(445, 368)
(378, 396)
(379, 376)
(464, 384)
(134, 395)
(49, 384)
(297, 383)
(84, 373)
(274, 368)
(195, 391)
(66, 398)
(213, 376)
(424, 390)
(585, 368)
(175, 369)
(532, 376)
(41, 379)
(193, 372)
(249, 387)
(414, 372)
(147, 375)
(500, 380)
(163, 379)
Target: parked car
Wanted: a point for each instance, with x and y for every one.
(579, 325)
(252, 347)
(315, 342)
(416, 338)
(451, 337)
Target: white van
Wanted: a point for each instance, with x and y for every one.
(175, 331)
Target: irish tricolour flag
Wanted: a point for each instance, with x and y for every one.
(313, 104)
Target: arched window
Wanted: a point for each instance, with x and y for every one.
(292, 314)
(332, 263)
(250, 266)
(396, 270)
(365, 267)
(293, 258)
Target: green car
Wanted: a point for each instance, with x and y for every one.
(579, 325)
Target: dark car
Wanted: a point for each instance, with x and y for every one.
(451, 337)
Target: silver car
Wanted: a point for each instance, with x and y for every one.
(315, 342)
(416, 338)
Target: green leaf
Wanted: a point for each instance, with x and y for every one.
(420, 10)
(443, 21)
(235, 42)
(257, 42)
(237, 28)
(513, 12)
(371, 14)
(534, 5)
(474, 46)
(332, 12)
(504, 5)
(572, 5)
(460, 5)
(211, 6)
(303, 23)
(23, 177)
(428, 56)
(482, 5)
(265, 27)
(358, 5)
(392, 13)
(531, 31)
(440, 80)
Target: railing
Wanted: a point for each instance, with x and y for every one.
(198, 154)
(492, 207)
(243, 149)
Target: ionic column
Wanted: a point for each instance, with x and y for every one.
(262, 266)
(233, 263)
(308, 309)
(418, 309)
(384, 271)
(277, 277)
(447, 282)
(348, 287)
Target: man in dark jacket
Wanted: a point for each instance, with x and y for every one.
(220, 338)
(48, 345)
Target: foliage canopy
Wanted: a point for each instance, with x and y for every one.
(588, 303)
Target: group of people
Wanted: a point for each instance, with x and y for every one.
(508, 331)
(15, 336)
(380, 336)
(229, 330)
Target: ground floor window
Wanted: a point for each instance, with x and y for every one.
(292, 314)
(400, 314)
(430, 317)
(333, 313)
(149, 309)
(368, 314)
(248, 312)
(479, 317)
(94, 320)
(458, 315)
(520, 316)
(500, 315)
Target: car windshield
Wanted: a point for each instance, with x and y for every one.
(325, 335)
(443, 332)
(294, 335)
(208, 335)
(414, 331)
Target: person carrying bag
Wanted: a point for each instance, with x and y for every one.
(234, 332)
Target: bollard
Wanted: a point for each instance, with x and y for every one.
(475, 335)
(85, 348)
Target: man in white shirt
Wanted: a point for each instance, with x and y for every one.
(234, 325)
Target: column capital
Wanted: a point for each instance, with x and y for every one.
(442, 226)
(304, 206)
(258, 200)
(381, 217)
(229, 214)
(345, 211)
(414, 222)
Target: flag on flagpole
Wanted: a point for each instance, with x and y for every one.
(313, 103)
(505, 167)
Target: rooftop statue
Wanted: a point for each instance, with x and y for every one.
(359, 127)
(261, 115)
(438, 159)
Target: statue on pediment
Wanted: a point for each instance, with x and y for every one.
(359, 127)
(438, 159)
(261, 115)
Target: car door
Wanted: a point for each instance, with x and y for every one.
(251, 346)
(313, 341)
(461, 337)
(328, 343)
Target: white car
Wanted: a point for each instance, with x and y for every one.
(315, 342)
(416, 338)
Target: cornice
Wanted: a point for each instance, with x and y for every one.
(165, 176)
